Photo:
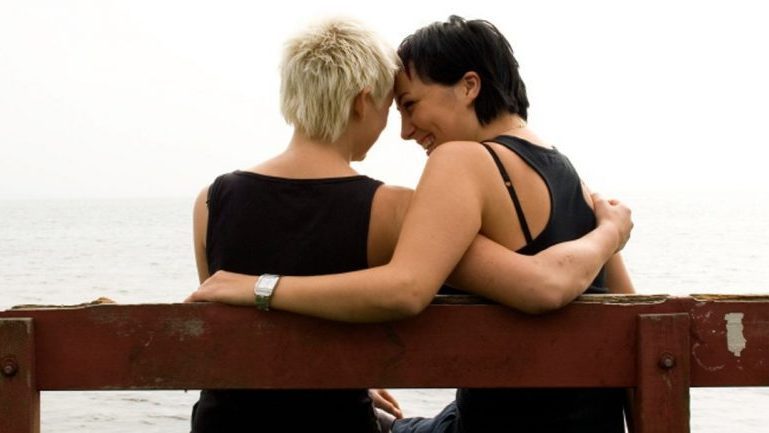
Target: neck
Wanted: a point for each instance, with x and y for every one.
(309, 158)
(506, 124)
(302, 146)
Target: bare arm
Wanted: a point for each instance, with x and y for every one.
(199, 229)
(441, 224)
(550, 279)
(443, 219)
(617, 277)
(427, 251)
(388, 211)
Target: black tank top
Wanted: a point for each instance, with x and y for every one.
(570, 216)
(537, 410)
(261, 224)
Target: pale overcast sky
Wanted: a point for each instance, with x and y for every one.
(155, 98)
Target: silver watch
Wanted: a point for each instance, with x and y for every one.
(263, 289)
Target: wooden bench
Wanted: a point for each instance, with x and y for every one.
(659, 345)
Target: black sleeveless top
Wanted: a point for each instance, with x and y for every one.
(563, 410)
(261, 224)
(570, 216)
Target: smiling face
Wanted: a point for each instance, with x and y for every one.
(432, 114)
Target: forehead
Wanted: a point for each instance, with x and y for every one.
(408, 84)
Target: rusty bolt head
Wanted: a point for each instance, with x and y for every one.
(10, 367)
(667, 361)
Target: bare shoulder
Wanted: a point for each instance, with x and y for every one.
(459, 156)
(199, 232)
(200, 214)
(391, 203)
(453, 148)
(203, 194)
(200, 225)
(201, 202)
(387, 213)
(391, 195)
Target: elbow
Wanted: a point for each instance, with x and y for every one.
(554, 293)
(542, 302)
(405, 307)
(562, 286)
(410, 298)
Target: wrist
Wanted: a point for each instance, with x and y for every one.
(611, 236)
(264, 288)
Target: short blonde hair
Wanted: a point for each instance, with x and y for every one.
(325, 67)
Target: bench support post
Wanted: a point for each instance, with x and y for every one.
(662, 393)
(19, 397)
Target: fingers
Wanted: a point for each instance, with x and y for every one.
(386, 402)
(385, 394)
(599, 198)
(193, 297)
(391, 409)
(395, 407)
(616, 213)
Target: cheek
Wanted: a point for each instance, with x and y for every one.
(422, 119)
(437, 121)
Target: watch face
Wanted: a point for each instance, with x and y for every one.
(270, 280)
(265, 285)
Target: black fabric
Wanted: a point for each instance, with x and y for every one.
(261, 224)
(570, 216)
(513, 195)
(537, 410)
(540, 410)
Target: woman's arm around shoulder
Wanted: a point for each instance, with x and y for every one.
(550, 279)
(441, 223)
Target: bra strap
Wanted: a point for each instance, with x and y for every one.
(513, 195)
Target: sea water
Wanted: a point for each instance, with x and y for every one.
(140, 251)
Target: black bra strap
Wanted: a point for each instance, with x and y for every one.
(513, 195)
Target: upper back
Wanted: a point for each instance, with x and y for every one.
(570, 217)
(263, 224)
(552, 200)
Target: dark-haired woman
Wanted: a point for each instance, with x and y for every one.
(461, 98)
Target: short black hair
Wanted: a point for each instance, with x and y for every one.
(443, 52)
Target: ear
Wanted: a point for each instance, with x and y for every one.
(359, 103)
(470, 86)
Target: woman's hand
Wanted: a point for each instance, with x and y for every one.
(385, 401)
(615, 213)
(226, 287)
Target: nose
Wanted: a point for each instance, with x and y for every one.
(407, 128)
